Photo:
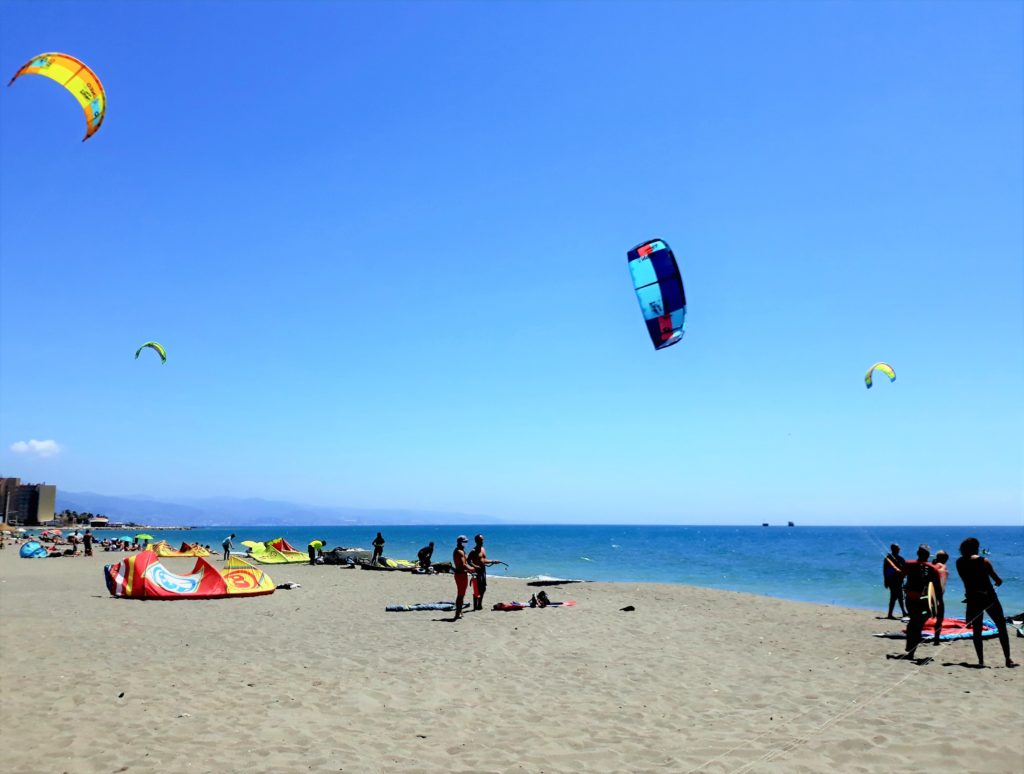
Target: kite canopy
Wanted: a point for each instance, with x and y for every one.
(163, 548)
(142, 576)
(75, 76)
(158, 348)
(33, 550)
(885, 368)
(276, 551)
(659, 289)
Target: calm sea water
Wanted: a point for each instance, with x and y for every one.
(832, 565)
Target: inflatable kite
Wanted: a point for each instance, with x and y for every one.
(952, 629)
(163, 548)
(659, 289)
(33, 550)
(142, 576)
(156, 348)
(76, 77)
(276, 551)
(885, 368)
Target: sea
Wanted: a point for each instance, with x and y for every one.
(829, 565)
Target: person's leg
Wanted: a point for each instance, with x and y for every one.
(892, 600)
(918, 611)
(475, 588)
(940, 615)
(481, 583)
(904, 608)
(312, 556)
(995, 611)
(975, 617)
(461, 581)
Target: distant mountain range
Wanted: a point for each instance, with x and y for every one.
(215, 511)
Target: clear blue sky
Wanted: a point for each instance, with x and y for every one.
(385, 247)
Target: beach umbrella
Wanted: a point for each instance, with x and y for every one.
(126, 538)
(143, 536)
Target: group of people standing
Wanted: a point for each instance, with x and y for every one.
(919, 587)
(474, 564)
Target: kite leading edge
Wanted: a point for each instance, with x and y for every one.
(75, 76)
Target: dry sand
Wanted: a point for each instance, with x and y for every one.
(322, 679)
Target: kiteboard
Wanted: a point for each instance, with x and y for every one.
(933, 600)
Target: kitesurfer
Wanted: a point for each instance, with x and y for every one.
(316, 549)
(227, 546)
(940, 562)
(378, 549)
(892, 578)
(425, 555)
(919, 574)
(460, 569)
(478, 557)
(977, 573)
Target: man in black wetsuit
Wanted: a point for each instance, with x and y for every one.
(977, 573)
(892, 577)
(425, 555)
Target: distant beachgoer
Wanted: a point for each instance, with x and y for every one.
(425, 555)
(228, 545)
(378, 548)
(87, 542)
(940, 562)
(316, 550)
(977, 573)
(892, 578)
(919, 574)
(460, 569)
(478, 558)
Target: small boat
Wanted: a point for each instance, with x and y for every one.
(765, 524)
(790, 524)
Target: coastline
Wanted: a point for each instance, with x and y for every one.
(321, 678)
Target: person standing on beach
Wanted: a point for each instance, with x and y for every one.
(478, 558)
(919, 574)
(977, 573)
(941, 560)
(425, 555)
(87, 542)
(892, 578)
(227, 545)
(378, 548)
(460, 569)
(316, 549)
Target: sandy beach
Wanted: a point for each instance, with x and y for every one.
(322, 679)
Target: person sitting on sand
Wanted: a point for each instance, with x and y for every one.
(940, 562)
(892, 578)
(378, 549)
(461, 568)
(316, 550)
(977, 573)
(425, 555)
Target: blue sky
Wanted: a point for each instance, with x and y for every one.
(384, 245)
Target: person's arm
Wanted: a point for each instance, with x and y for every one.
(992, 573)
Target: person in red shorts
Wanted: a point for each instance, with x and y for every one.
(461, 568)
